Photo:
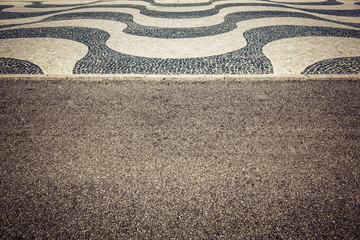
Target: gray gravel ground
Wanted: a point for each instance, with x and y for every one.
(162, 160)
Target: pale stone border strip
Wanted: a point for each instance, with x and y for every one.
(180, 78)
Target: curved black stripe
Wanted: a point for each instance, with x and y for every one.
(5, 6)
(45, 5)
(88, 36)
(349, 65)
(15, 15)
(18, 66)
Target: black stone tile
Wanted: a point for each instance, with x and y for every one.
(349, 65)
(17, 66)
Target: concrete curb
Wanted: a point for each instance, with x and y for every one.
(178, 78)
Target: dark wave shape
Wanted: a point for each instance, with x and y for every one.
(100, 59)
(5, 6)
(229, 23)
(15, 15)
(45, 5)
(17, 66)
(88, 36)
(348, 65)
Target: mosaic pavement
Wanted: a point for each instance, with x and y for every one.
(180, 37)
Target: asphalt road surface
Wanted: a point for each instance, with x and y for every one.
(180, 160)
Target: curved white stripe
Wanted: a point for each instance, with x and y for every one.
(308, 50)
(53, 56)
(178, 48)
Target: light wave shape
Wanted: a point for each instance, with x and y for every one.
(308, 50)
(53, 56)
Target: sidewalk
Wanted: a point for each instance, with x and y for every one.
(212, 38)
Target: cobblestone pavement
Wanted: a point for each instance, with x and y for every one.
(180, 37)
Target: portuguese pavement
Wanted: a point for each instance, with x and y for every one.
(180, 119)
(174, 37)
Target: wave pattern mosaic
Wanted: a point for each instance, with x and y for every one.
(180, 37)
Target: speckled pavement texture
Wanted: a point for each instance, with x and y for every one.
(180, 160)
(236, 37)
